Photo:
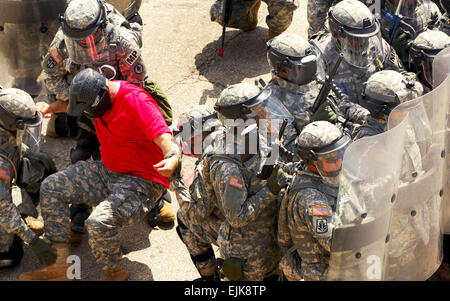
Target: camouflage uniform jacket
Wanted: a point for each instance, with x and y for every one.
(349, 78)
(123, 54)
(444, 24)
(305, 228)
(250, 209)
(10, 218)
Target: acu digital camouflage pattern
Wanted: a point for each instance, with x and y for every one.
(306, 238)
(350, 78)
(122, 53)
(280, 15)
(17, 102)
(119, 200)
(235, 94)
(432, 40)
(250, 209)
(444, 24)
(126, 7)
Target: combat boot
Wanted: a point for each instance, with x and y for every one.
(36, 226)
(53, 272)
(118, 273)
(167, 213)
(209, 274)
(254, 14)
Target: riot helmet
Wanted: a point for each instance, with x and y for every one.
(424, 48)
(321, 145)
(386, 89)
(83, 25)
(89, 94)
(294, 59)
(20, 117)
(357, 33)
(193, 127)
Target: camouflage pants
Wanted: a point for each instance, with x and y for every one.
(317, 14)
(23, 47)
(257, 247)
(119, 201)
(280, 15)
(6, 240)
(199, 236)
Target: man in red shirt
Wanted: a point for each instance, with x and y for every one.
(138, 157)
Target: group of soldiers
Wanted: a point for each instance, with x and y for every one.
(268, 187)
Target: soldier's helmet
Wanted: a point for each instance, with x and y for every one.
(424, 48)
(247, 102)
(386, 89)
(321, 144)
(356, 33)
(193, 126)
(83, 25)
(18, 114)
(293, 58)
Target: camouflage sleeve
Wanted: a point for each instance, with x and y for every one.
(54, 68)
(317, 14)
(313, 211)
(229, 185)
(434, 14)
(129, 56)
(10, 219)
(393, 62)
(353, 112)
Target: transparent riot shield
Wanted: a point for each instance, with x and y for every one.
(415, 247)
(30, 11)
(441, 71)
(367, 193)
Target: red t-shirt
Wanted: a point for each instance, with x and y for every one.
(126, 134)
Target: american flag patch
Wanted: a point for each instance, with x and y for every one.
(320, 210)
(235, 182)
(4, 174)
(55, 55)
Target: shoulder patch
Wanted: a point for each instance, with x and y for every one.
(4, 174)
(321, 225)
(132, 57)
(320, 211)
(56, 56)
(50, 63)
(236, 182)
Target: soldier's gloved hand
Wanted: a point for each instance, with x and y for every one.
(402, 42)
(276, 181)
(44, 159)
(43, 251)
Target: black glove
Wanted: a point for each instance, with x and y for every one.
(402, 42)
(43, 251)
(44, 160)
(273, 182)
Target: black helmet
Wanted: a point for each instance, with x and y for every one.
(89, 94)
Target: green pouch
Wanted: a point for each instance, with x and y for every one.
(232, 268)
(158, 95)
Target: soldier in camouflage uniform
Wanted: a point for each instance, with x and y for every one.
(305, 223)
(444, 22)
(246, 238)
(120, 191)
(199, 218)
(297, 76)
(21, 166)
(129, 9)
(355, 33)
(244, 14)
(423, 50)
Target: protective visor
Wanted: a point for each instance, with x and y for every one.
(32, 132)
(425, 59)
(299, 70)
(87, 50)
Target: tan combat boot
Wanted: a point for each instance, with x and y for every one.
(54, 272)
(51, 131)
(36, 226)
(118, 273)
(254, 13)
(167, 213)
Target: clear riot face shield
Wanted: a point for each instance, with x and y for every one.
(423, 58)
(360, 47)
(299, 70)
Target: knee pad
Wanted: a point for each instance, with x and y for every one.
(14, 255)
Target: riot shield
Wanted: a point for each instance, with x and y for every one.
(415, 247)
(126, 7)
(367, 193)
(441, 71)
(30, 11)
